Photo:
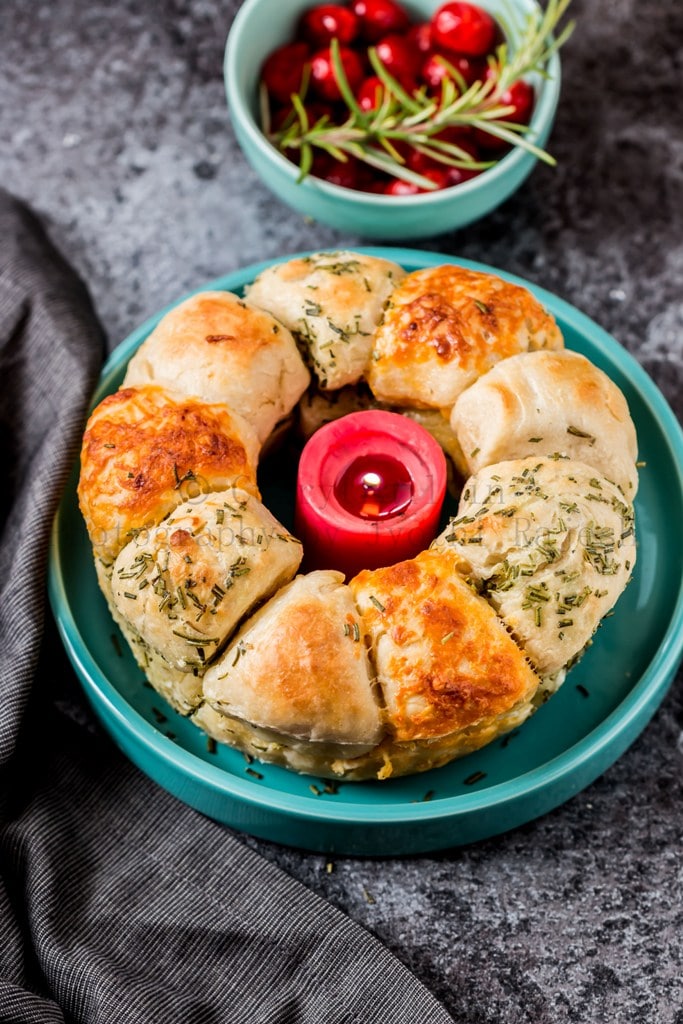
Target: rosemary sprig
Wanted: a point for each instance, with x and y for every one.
(374, 137)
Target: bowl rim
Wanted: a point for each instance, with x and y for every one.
(238, 107)
(635, 708)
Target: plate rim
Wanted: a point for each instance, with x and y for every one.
(637, 707)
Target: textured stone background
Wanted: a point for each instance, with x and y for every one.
(113, 125)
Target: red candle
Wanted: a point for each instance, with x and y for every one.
(369, 492)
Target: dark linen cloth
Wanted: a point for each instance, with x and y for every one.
(117, 902)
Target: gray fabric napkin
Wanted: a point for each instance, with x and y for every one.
(117, 902)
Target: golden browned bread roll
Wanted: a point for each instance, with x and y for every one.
(317, 408)
(545, 403)
(446, 326)
(219, 348)
(550, 545)
(436, 424)
(145, 451)
(185, 585)
(450, 675)
(331, 302)
(299, 669)
(182, 690)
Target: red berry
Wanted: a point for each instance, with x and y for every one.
(379, 18)
(457, 175)
(376, 185)
(434, 70)
(464, 28)
(370, 94)
(321, 162)
(461, 136)
(320, 25)
(397, 187)
(420, 37)
(323, 79)
(347, 174)
(439, 176)
(399, 58)
(456, 136)
(421, 163)
(283, 70)
(520, 96)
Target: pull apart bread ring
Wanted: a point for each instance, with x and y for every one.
(402, 668)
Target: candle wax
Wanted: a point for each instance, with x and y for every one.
(369, 492)
(374, 487)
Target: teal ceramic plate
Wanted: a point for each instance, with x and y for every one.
(605, 703)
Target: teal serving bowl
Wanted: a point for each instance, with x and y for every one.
(604, 704)
(262, 25)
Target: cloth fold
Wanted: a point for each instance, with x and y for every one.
(117, 902)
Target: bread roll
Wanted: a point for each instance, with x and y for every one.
(446, 326)
(219, 348)
(317, 408)
(185, 585)
(550, 545)
(542, 403)
(145, 451)
(451, 677)
(298, 669)
(436, 424)
(332, 302)
(182, 690)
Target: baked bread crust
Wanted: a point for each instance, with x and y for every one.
(445, 662)
(542, 403)
(299, 667)
(446, 326)
(332, 303)
(550, 543)
(185, 586)
(219, 348)
(145, 451)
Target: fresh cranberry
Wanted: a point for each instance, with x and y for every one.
(421, 163)
(439, 176)
(399, 58)
(520, 96)
(464, 28)
(420, 37)
(370, 93)
(379, 18)
(462, 136)
(347, 174)
(397, 187)
(377, 185)
(320, 25)
(434, 70)
(323, 79)
(284, 69)
(322, 162)
(458, 175)
(456, 135)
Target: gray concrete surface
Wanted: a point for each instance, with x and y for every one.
(113, 125)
